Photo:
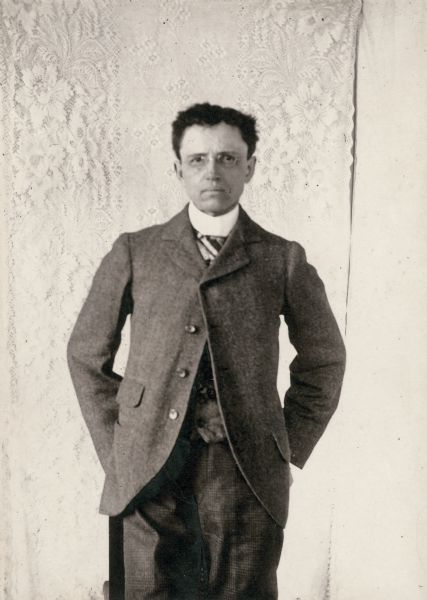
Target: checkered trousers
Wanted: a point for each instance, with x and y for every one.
(202, 534)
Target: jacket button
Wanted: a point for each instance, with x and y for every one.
(191, 328)
(182, 373)
(173, 414)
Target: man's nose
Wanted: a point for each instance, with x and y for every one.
(212, 168)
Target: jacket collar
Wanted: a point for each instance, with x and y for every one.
(233, 256)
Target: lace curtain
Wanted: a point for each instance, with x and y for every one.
(89, 89)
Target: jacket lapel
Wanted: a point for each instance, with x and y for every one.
(181, 244)
(234, 254)
(182, 247)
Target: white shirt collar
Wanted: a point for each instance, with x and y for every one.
(209, 225)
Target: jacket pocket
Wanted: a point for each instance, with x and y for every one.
(282, 448)
(131, 392)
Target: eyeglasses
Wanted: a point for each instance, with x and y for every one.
(200, 161)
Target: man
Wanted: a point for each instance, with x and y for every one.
(194, 440)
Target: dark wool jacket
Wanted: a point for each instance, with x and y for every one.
(177, 305)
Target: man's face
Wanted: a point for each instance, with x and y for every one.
(214, 166)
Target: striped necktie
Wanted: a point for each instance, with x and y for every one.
(209, 246)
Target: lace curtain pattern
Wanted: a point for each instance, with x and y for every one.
(89, 89)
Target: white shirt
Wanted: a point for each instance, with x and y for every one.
(220, 225)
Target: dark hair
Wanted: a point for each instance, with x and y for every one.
(212, 114)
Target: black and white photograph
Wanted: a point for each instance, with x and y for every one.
(213, 284)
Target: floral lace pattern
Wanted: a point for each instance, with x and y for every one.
(89, 89)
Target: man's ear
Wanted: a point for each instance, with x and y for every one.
(178, 168)
(250, 168)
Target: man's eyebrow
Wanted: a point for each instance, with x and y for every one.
(220, 152)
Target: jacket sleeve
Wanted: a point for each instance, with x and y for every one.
(317, 371)
(94, 342)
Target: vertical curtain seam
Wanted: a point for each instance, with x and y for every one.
(354, 162)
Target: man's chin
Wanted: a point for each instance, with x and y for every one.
(215, 204)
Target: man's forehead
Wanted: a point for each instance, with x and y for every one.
(220, 137)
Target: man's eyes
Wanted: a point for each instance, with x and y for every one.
(227, 159)
(223, 159)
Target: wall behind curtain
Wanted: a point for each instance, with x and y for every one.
(89, 89)
(380, 525)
